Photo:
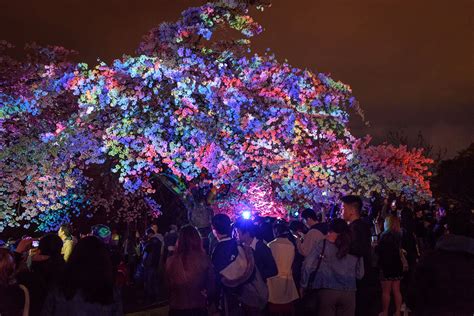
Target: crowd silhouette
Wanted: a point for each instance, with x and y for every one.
(389, 257)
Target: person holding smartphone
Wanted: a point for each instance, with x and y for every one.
(44, 268)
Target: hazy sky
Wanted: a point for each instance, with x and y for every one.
(410, 63)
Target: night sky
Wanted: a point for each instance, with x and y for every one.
(410, 63)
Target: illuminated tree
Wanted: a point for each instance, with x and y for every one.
(200, 109)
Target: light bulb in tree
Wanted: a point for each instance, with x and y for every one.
(246, 214)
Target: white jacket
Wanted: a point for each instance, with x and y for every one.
(282, 288)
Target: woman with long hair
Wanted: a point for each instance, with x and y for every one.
(332, 271)
(189, 275)
(87, 285)
(390, 263)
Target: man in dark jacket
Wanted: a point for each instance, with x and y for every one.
(224, 253)
(444, 277)
(263, 255)
(360, 229)
(361, 247)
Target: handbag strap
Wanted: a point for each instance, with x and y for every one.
(312, 276)
(26, 307)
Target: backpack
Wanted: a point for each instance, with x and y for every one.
(254, 293)
(244, 275)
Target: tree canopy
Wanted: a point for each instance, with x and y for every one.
(202, 109)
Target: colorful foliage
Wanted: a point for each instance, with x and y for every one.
(188, 106)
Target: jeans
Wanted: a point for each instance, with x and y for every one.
(336, 302)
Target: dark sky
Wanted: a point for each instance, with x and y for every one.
(410, 63)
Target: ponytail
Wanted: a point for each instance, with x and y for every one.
(343, 244)
(343, 240)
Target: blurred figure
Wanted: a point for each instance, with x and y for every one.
(131, 253)
(420, 229)
(170, 239)
(190, 275)
(45, 266)
(115, 238)
(332, 271)
(104, 233)
(282, 289)
(263, 255)
(444, 278)
(334, 212)
(376, 205)
(265, 230)
(65, 234)
(438, 229)
(87, 286)
(14, 298)
(390, 263)
(307, 243)
(156, 232)
(152, 253)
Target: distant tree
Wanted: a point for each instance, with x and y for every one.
(399, 138)
(454, 179)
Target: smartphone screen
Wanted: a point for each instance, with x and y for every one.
(35, 243)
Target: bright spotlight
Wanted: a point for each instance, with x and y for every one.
(246, 214)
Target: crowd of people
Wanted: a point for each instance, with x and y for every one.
(395, 258)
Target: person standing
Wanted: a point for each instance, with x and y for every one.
(190, 275)
(151, 262)
(282, 289)
(307, 243)
(297, 228)
(65, 234)
(225, 252)
(420, 230)
(263, 255)
(157, 234)
(333, 272)
(390, 263)
(360, 247)
(87, 284)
